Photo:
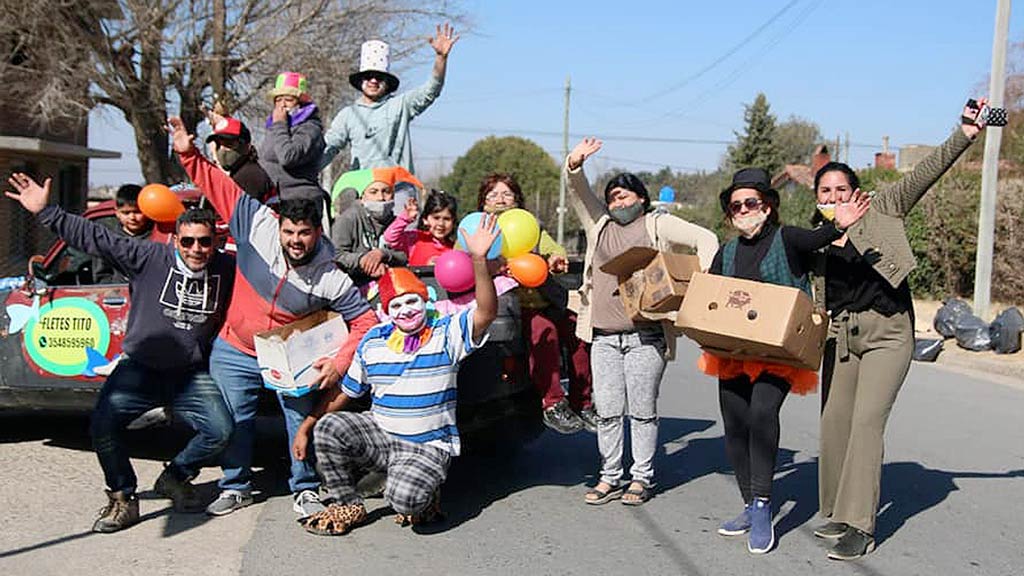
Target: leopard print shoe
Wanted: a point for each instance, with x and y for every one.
(335, 520)
(432, 513)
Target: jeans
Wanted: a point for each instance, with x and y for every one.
(627, 371)
(237, 374)
(133, 389)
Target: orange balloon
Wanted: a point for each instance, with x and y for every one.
(529, 269)
(159, 203)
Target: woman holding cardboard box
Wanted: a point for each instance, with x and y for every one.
(751, 393)
(862, 280)
(627, 358)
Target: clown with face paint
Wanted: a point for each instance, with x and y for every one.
(409, 366)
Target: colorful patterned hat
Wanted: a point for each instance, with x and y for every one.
(399, 281)
(374, 59)
(291, 84)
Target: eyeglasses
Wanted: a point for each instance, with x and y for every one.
(188, 241)
(751, 204)
(495, 194)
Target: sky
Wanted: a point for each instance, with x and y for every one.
(665, 83)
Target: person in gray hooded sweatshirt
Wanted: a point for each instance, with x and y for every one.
(356, 234)
(179, 295)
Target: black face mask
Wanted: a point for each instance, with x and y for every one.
(626, 214)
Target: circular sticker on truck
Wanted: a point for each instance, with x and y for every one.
(67, 334)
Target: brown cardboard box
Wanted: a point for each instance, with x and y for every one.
(651, 283)
(753, 321)
(666, 279)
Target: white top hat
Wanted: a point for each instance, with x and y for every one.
(374, 59)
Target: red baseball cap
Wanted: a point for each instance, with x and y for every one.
(229, 128)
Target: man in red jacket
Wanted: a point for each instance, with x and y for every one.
(285, 271)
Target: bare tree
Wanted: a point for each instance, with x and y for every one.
(147, 58)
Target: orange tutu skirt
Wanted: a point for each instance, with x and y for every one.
(801, 380)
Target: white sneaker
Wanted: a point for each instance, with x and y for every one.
(228, 502)
(307, 503)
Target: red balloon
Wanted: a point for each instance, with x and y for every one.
(159, 203)
(529, 269)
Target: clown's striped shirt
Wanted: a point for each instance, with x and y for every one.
(414, 393)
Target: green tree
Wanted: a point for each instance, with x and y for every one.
(532, 167)
(756, 147)
(795, 138)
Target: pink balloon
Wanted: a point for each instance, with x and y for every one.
(454, 271)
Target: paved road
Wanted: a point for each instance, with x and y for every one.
(952, 503)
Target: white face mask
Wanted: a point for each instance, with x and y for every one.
(750, 224)
(408, 312)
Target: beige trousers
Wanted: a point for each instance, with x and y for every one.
(866, 360)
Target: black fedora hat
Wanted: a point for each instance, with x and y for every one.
(754, 178)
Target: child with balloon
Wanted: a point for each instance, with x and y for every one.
(547, 324)
(434, 233)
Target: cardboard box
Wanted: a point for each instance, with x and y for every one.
(286, 354)
(651, 283)
(753, 321)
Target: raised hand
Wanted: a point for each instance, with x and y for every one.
(969, 116)
(31, 195)
(479, 243)
(412, 209)
(557, 264)
(181, 140)
(444, 40)
(848, 213)
(585, 149)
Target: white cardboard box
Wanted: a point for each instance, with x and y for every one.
(286, 354)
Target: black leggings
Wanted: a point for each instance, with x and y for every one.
(750, 413)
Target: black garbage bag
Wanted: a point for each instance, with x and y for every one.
(927, 349)
(946, 318)
(972, 333)
(1006, 330)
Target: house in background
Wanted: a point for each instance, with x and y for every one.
(59, 151)
(794, 176)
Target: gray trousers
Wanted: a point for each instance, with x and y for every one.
(865, 364)
(627, 370)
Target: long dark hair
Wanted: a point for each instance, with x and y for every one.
(491, 180)
(437, 201)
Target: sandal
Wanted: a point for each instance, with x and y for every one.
(641, 495)
(335, 520)
(595, 496)
(431, 514)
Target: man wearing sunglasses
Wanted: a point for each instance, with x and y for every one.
(179, 294)
(376, 125)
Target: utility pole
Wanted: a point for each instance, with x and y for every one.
(561, 172)
(990, 167)
(846, 151)
(219, 69)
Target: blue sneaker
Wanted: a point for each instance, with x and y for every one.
(762, 533)
(738, 525)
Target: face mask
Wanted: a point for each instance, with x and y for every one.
(228, 157)
(407, 312)
(497, 209)
(627, 214)
(750, 224)
(827, 211)
(379, 209)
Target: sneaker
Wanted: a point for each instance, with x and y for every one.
(762, 533)
(737, 526)
(307, 503)
(181, 492)
(589, 419)
(832, 530)
(854, 544)
(159, 416)
(561, 419)
(228, 502)
(121, 511)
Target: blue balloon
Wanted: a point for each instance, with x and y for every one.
(667, 194)
(469, 225)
